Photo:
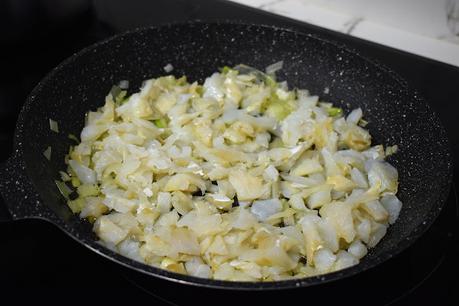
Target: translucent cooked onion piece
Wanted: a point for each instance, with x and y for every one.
(271, 69)
(47, 153)
(53, 126)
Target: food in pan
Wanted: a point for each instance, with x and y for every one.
(236, 179)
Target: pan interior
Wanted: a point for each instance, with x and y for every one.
(395, 115)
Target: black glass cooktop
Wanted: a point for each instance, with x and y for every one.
(39, 264)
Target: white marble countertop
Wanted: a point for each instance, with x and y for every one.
(429, 28)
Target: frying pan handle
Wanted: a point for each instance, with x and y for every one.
(5, 215)
(15, 202)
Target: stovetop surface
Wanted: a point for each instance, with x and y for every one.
(39, 264)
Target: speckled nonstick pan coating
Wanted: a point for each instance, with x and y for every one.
(396, 115)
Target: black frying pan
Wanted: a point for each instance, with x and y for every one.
(396, 115)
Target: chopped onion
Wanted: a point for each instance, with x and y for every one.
(168, 68)
(84, 174)
(271, 173)
(53, 126)
(124, 84)
(74, 138)
(63, 189)
(264, 209)
(147, 191)
(345, 260)
(47, 153)
(393, 206)
(64, 176)
(379, 232)
(236, 178)
(391, 150)
(324, 259)
(357, 249)
(355, 116)
(271, 69)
